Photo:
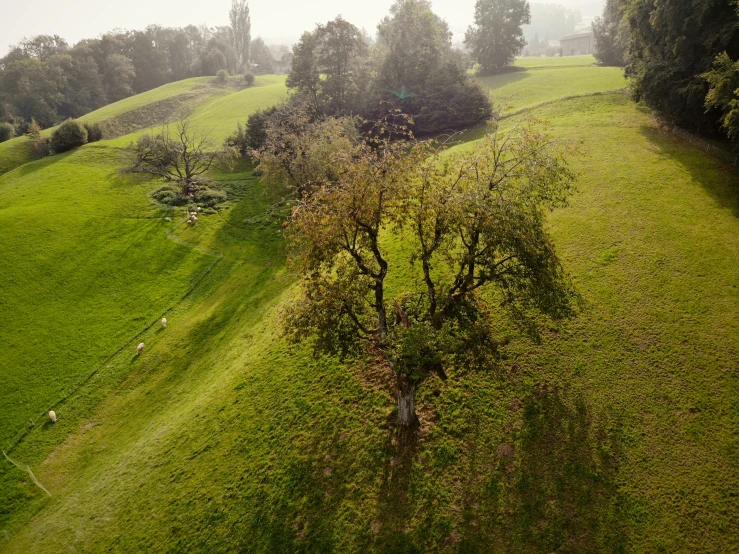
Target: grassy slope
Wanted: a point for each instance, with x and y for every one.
(88, 266)
(203, 90)
(619, 433)
(525, 89)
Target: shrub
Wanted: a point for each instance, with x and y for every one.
(249, 79)
(67, 136)
(41, 147)
(170, 196)
(222, 76)
(94, 132)
(7, 132)
(210, 198)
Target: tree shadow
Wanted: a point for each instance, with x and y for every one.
(554, 491)
(718, 178)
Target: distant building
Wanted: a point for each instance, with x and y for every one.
(579, 43)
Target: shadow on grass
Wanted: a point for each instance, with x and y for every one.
(720, 179)
(554, 489)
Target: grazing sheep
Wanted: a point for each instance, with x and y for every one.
(167, 219)
(52, 416)
(140, 348)
(189, 221)
(164, 322)
(199, 209)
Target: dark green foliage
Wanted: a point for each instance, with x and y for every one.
(249, 79)
(69, 135)
(253, 135)
(204, 196)
(497, 35)
(610, 35)
(94, 132)
(449, 101)
(674, 42)
(723, 96)
(7, 132)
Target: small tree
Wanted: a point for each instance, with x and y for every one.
(474, 228)
(723, 78)
(497, 35)
(183, 156)
(222, 76)
(69, 135)
(249, 79)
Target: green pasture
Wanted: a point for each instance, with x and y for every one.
(618, 433)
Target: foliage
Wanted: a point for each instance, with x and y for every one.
(69, 135)
(241, 31)
(222, 76)
(471, 221)
(723, 95)
(496, 36)
(327, 67)
(7, 131)
(419, 74)
(249, 79)
(94, 132)
(609, 33)
(182, 156)
(261, 56)
(671, 44)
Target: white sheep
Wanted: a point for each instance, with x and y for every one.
(164, 322)
(167, 219)
(52, 416)
(140, 348)
(199, 209)
(194, 218)
(189, 221)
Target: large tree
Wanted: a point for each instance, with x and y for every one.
(328, 66)
(241, 29)
(497, 35)
(473, 229)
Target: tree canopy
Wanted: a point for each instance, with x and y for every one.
(496, 37)
(473, 226)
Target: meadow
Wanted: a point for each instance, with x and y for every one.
(618, 433)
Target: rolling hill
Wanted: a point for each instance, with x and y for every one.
(619, 433)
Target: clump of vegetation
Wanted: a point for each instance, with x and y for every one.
(69, 135)
(253, 135)
(412, 69)
(222, 76)
(94, 132)
(610, 35)
(723, 96)
(183, 158)
(7, 132)
(249, 79)
(472, 221)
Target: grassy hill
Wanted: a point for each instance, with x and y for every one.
(619, 433)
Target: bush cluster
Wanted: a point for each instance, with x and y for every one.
(249, 79)
(7, 132)
(222, 76)
(94, 132)
(69, 135)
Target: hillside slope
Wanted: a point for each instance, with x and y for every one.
(618, 433)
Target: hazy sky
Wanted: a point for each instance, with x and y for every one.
(277, 21)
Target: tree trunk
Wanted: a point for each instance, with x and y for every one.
(407, 417)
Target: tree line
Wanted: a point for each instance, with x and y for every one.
(682, 57)
(45, 79)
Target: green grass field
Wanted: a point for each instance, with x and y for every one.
(619, 433)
